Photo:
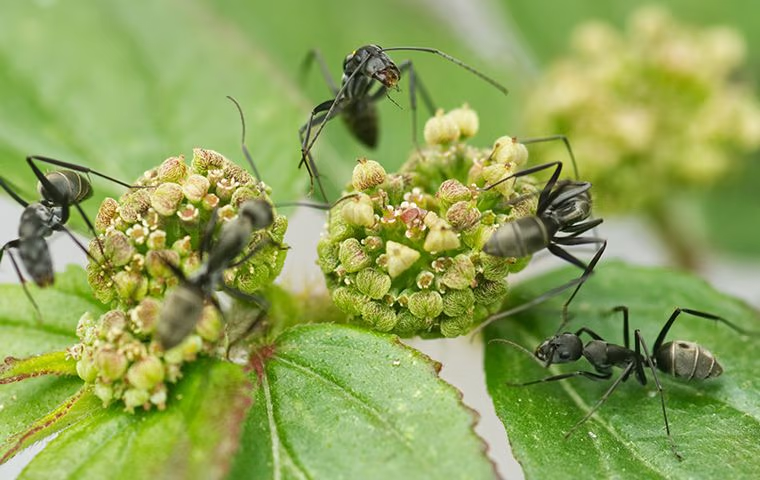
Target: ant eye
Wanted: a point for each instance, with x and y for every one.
(564, 355)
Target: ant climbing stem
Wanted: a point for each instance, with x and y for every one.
(354, 101)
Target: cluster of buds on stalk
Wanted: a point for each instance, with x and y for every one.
(660, 98)
(403, 251)
(164, 222)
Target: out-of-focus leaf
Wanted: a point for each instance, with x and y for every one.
(339, 402)
(710, 420)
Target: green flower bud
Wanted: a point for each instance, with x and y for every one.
(494, 268)
(111, 364)
(156, 240)
(509, 150)
(107, 214)
(441, 129)
(156, 260)
(367, 174)
(100, 283)
(441, 238)
(373, 243)
(112, 325)
(173, 169)
(460, 273)
(380, 316)
(104, 392)
(130, 285)
(205, 160)
(425, 304)
(349, 300)
(327, 255)
(166, 198)
(145, 315)
(195, 187)
(466, 119)
(134, 204)
(352, 255)
(146, 374)
(339, 229)
(117, 248)
(488, 292)
(86, 368)
(452, 191)
(136, 398)
(462, 215)
(493, 174)
(373, 283)
(408, 324)
(458, 302)
(399, 258)
(359, 211)
(456, 326)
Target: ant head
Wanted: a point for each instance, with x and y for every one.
(258, 212)
(374, 63)
(562, 348)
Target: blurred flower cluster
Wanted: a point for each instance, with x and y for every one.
(650, 109)
(165, 222)
(403, 251)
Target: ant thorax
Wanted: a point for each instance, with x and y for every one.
(38, 219)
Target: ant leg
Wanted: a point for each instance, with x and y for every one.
(208, 232)
(72, 166)
(588, 332)
(305, 135)
(552, 138)
(246, 153)
(650, 364)
(13, 194)
(603, 399)
(696, 313)
(22, 280)
(582, 227)
(626, 334)
(453, 60)
(543, 198)
(415, 85)
(562, 376)
(308, 60)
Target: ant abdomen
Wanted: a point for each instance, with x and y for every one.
(687, 360)
(72, 186)
(519, 238)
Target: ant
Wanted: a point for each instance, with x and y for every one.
(356, 104)
(184, 305)
(678, 358)
(564, 206)
(60, 190)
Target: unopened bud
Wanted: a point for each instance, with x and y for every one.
(130, 285)
(134, 204)
(425, 304)
(452, 191)
(210, 325)
(399, 257)
(460, 273)
(86, 368)
(488, 292)
(156, 262)
(380, 316)
(111, 364)
(458, 302)
(441, 238)
(408, 324)
(146, 374)
(112, 324)
(205, 160)
(134, 398)
(349, 300)
(352, 255)
(456, 326)
(367, 174)
(173, 169)
(466, 119)
(327, 255)
(462, 215)
(145, 315)
(195, 187)
(494, 268)
(373, 283)
(117, 248)
(508, 150)
(359, 211)
(496, 175)
(166, 198)
(441, 129)
(107, 214)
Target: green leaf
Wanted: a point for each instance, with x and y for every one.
(194, 437)
(710, 420)
(53, 363)
(339, 402)
(24, 403)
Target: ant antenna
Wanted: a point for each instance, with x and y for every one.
(246, 153)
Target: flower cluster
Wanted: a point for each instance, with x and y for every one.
(403, 252)
(164, 222)
(657, 99)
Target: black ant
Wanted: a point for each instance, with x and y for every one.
(59, 189)
(183, 306)
(678, 358)
(564, 206)
(356, 104)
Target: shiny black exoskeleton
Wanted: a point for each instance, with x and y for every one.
(355, 102)
(678, 358)
(60, 190)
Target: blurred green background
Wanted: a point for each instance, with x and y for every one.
(119, 86)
